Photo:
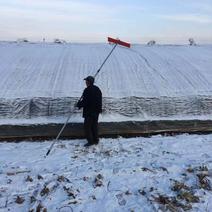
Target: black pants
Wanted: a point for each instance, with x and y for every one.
(91, 129)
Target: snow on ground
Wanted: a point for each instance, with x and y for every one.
(135, 174)
(102, 118)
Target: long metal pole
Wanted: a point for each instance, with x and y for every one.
(105, 60)
(64, 125)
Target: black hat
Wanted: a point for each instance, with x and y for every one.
(90, 79)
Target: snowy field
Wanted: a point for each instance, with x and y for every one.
(44, 80)
(136, 174)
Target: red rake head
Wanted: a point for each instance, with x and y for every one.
(119, 42)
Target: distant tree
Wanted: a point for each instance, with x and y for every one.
(22, 40)
(192, 42)
(151, 43)
(59, 41)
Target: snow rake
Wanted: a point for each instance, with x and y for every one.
(111, 41)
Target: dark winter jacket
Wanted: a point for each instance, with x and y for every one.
(91, 101)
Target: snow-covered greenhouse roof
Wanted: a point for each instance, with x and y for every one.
(43, 79)
(53, 70)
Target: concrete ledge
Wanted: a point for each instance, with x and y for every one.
(106, 129)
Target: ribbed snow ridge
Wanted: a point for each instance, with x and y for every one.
(42, 79)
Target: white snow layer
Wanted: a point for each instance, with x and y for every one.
(164, 81)
(136, 174)
(52, 70)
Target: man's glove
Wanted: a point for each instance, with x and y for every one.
(75, 104)
(78, 104)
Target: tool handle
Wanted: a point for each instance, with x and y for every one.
(105, 60)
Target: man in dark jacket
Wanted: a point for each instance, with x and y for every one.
(91, 102)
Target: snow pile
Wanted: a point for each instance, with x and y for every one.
(133, 174)
(45, 80)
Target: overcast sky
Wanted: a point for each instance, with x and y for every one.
(137, 21)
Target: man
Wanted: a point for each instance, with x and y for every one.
(91, 102)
